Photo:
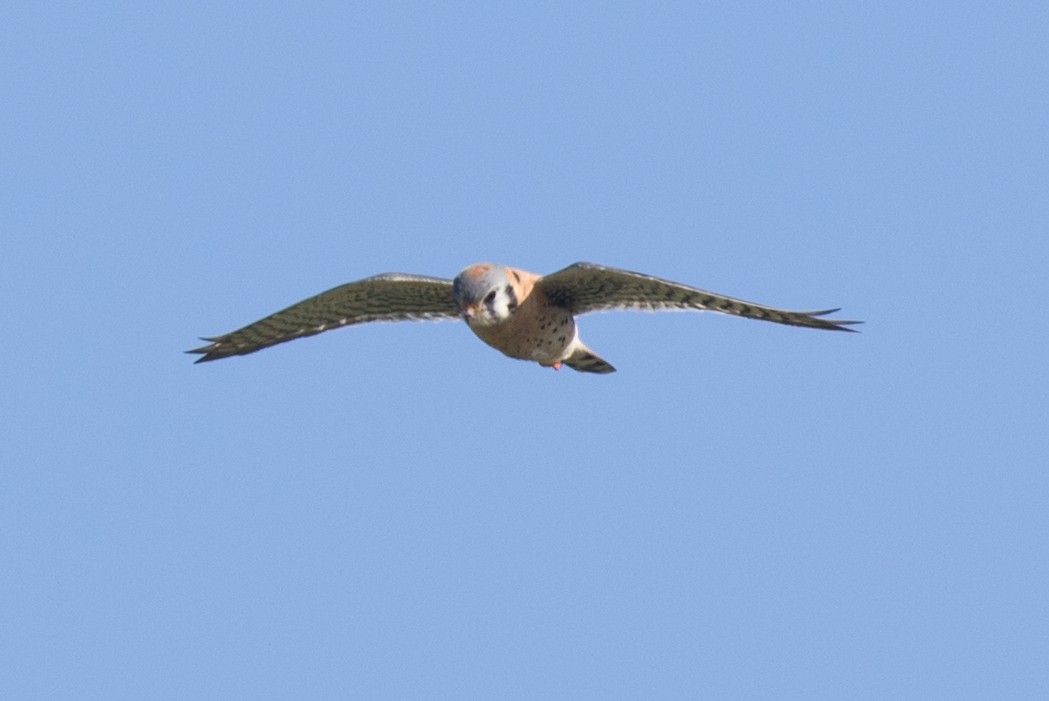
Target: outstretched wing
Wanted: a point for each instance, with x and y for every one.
(388, 297)
(586, 287)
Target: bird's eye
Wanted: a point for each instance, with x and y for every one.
(490, 297)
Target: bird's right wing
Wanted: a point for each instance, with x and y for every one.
(388, 297)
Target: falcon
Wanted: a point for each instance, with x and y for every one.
(521, 314)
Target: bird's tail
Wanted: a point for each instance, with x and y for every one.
(584, 360)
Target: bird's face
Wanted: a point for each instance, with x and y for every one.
(484, 295)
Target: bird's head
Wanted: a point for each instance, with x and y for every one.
(484, 295)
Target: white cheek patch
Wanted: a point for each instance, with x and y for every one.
(505, 303)
(501, 308)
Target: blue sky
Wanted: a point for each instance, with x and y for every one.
(744, 510)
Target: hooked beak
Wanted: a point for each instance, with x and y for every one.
(470, 312)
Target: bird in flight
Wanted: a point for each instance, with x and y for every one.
(521, 314)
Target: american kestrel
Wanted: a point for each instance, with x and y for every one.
(520, 314)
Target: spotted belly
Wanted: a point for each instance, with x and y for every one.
(544, 335)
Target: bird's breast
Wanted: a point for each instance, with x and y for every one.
(536, 331)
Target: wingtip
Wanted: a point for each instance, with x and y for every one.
(207, 352)
(204, 355)
(843, 325)
(833, 324)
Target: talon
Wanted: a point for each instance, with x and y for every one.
(557, 365)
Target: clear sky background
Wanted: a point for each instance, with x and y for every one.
(744, 510)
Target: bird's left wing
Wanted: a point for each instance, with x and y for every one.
(586, 287)
(388, 297)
